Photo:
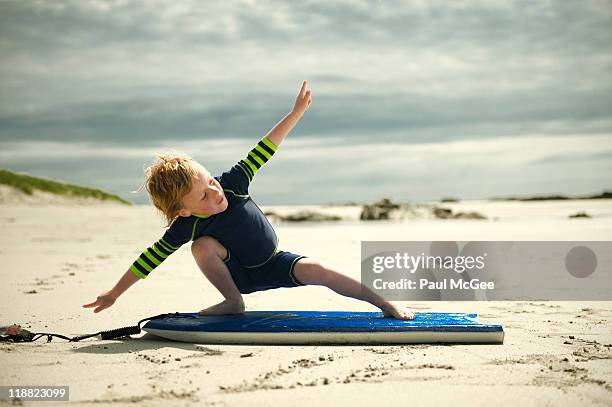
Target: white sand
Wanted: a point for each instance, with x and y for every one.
(69, 254)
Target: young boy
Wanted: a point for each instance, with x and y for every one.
(233, 243)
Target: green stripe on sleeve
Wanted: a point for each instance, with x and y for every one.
(151, 257)
(137, 272)
(251, 166)
(165, 246)
(159, 252)
(257, 159)
(263, 152)
(163, 249)
(168, 244)
(246, 172)
(246, 167)
(144, 264)
(269, 143)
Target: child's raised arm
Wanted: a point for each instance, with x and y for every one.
(282, 128)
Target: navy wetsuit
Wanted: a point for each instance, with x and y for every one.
(253, 259)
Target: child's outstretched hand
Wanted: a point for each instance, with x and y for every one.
(103, 301)
(303, 100)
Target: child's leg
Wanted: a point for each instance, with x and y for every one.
(209, 255)
(310, 271)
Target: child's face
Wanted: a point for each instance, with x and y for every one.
(205, 198)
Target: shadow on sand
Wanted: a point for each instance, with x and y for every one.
(144, 342)
(152, 342)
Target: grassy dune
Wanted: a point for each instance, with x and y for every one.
(28, 184)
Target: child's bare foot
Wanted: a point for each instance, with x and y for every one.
(225, 307)
(396, 311)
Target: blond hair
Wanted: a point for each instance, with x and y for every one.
(169, 180)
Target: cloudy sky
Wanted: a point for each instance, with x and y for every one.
(412, 100)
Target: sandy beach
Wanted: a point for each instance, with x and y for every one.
(56, 257)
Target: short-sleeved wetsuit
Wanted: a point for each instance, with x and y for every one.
(252, 245)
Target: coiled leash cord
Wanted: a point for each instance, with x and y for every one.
(15, 333)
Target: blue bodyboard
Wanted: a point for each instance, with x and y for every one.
(324, 327)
